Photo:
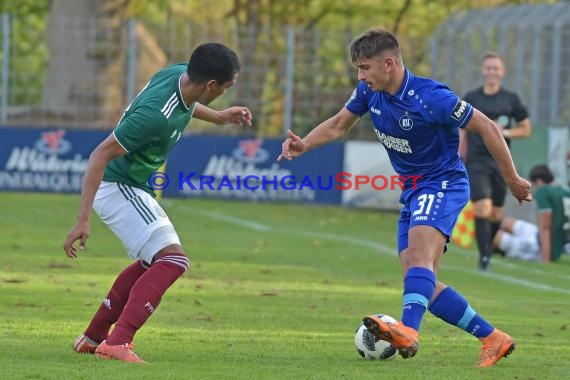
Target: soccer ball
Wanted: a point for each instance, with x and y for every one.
(371, 348)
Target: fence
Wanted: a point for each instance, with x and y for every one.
(82, 72)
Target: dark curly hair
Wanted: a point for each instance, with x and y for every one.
(213, 61)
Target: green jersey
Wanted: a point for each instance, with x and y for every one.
(149, 129)
(556, 199)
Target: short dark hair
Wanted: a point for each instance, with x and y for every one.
(371, 43)
(541, 172)
(213, 61)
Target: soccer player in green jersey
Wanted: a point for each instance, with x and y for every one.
(519, 239)
(115, 186)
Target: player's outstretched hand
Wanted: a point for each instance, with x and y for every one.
(520, 188)
(79, 232)
(237, 115)
(293, 146)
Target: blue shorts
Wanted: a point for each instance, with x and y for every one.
(432, 203)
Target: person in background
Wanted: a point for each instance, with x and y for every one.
(522, 240)
(487, 186)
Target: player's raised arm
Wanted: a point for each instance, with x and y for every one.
(329, 130)
(498, 148)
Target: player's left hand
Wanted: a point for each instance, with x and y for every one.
(520, 188)
(79, 232)
(237, 115)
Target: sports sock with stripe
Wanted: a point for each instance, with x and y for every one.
(419, 286)
(146, 294)
(454, 309)
(113, 304)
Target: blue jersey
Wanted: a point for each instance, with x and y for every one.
(418, 126)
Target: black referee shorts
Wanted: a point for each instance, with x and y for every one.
(486, 182)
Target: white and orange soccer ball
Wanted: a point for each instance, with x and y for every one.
(371, 348)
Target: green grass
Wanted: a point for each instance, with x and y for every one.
(275, 292)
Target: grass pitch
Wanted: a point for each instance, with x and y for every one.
(275, 292)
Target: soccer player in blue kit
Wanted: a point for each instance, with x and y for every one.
(418, 120)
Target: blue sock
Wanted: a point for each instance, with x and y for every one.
(419, 285)
(451, 307)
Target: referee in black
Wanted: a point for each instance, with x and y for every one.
(488, 189)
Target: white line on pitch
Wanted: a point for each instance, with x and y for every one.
(385, 249)
(512, 265)
(228, 218)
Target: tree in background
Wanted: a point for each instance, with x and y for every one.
(83, 83)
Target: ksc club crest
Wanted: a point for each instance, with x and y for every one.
(406, 122)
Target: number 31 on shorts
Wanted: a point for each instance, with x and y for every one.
(428, 204)
(425, 203)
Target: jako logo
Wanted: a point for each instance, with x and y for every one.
(250, 151)
(53, 143)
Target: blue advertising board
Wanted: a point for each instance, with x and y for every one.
(54, 160)
(247, 169)
(45, 160)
